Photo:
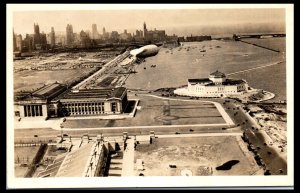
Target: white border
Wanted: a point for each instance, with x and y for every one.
(55, 7)
(213, 181)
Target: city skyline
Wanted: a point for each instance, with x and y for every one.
(179, 22)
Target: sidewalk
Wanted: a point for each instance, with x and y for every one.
(27, 123)
(128, 158)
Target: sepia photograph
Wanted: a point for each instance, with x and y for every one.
(141, 95)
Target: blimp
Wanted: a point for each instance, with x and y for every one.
(145, 51)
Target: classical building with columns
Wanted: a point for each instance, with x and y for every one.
(55, 100)
(93, 102)
(38, 103)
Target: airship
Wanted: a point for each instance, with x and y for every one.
(145, 51)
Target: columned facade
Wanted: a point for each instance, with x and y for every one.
(47, 102)
(31, 110)
(91, 107)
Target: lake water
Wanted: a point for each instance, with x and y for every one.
(174, 67)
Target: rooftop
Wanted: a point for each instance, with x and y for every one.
(233, 82)
(199, 80)
(211, 83)
(95, 94)
(46, 92)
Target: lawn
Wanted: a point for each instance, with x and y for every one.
(156, 111)
(200, 155)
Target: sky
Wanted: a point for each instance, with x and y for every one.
(179, 21)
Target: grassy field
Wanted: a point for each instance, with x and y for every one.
(200, 155)
(159, 112)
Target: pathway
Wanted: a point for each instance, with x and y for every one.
(128, 158)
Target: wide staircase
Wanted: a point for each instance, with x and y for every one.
(116, 163)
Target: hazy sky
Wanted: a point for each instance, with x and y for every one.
(170, 20)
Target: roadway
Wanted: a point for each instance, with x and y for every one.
(257, 138)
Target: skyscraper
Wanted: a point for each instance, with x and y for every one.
(14, 42)
(69, 35)
(95, 34)
(43, 38)
(28, 42)
(36, 36)
(19, 42)
(52, 37)
(154, 35)
(84, 39)
(105, 35)
(145, 30)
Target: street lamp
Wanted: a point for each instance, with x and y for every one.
(61, 126)
(61, 132)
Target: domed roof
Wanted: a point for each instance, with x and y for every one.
(217, 74)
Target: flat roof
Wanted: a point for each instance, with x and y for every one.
(211, 83)
(48, 91)
(198, 80)
(233, 82)
(95, 94)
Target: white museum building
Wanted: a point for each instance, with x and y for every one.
(216, 85)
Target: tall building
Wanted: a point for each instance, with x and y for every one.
(19, 42)
(43, 39)
(105, 35)
(14, 42)
(28, 42)
(114, 35)
(85, 40)
(95, 34)
(154, 35)
(52, 37)
(145, 29)
(36, 36)
(69, 35)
